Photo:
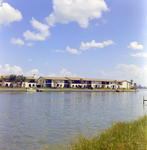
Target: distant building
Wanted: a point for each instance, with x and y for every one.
(76, 82)
(30, 82)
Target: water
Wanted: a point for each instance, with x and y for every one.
(35, 120)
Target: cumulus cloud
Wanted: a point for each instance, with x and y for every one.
(66, 73)
(17, 41)
(58, 51)
(135, 45)
(63, 73)
(127, 72)
(31, 72)
(93, 44)
(139, 55)
(69, 50)
(53, 75)
(104, 21)
(7, 70)
(80, 11)
(30, 44)
(8, 14)
(72, 51)
(10, 70)
(41, 35)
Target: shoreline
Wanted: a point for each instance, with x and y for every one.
(64, 90)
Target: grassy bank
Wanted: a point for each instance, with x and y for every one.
(120, 136)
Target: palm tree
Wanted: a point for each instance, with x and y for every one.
(82, 82)
(55, 82)
(131, 82)
(100, 83)
(69, 81)
(135, 86)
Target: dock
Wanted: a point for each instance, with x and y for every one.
(144, 100)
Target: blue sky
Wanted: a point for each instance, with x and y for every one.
(81, 38)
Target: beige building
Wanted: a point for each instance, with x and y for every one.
(49, 82)
(30, 82)
(5, 81)
(75, 82)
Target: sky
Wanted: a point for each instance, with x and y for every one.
(99, 39)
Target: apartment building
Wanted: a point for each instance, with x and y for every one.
(75, 82)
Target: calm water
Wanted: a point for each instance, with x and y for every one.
(35, 120)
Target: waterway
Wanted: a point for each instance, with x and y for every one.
(41, 120)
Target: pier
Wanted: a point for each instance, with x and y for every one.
(144, 100)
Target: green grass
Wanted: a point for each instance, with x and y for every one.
(4, 87)
(120, 136)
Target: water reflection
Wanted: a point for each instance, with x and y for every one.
(36, 120)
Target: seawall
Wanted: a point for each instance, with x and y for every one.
(63, 90)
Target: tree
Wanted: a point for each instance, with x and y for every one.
(55, 82)
(135, 86)
(69, 81)
(115, 81)
(21, 79)
(118, 84)
(12, 78)
(82, 82)
(100, 83)
(131, 82)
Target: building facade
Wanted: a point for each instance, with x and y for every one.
(72, 82)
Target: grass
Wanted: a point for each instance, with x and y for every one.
(4, 87)
(120, 136)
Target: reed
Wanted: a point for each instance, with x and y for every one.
(120, 136)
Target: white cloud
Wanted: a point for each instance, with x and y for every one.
(18, 71)
(128, 72)
(30, 73)
(134, 45)
(53, 75)
(101, 71)
(8, 14)
(93, 44)
(97, 25)
(10, 70)
(63, 73)
(58, 51)
(17, 41)
(81, 11)
(72, 51)
(104, 21)
(66, 73)
(43, 31)
(139, 55)
(30, 59)
(30, 44)
(144, 32)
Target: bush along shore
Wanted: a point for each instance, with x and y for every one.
(120, 136)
